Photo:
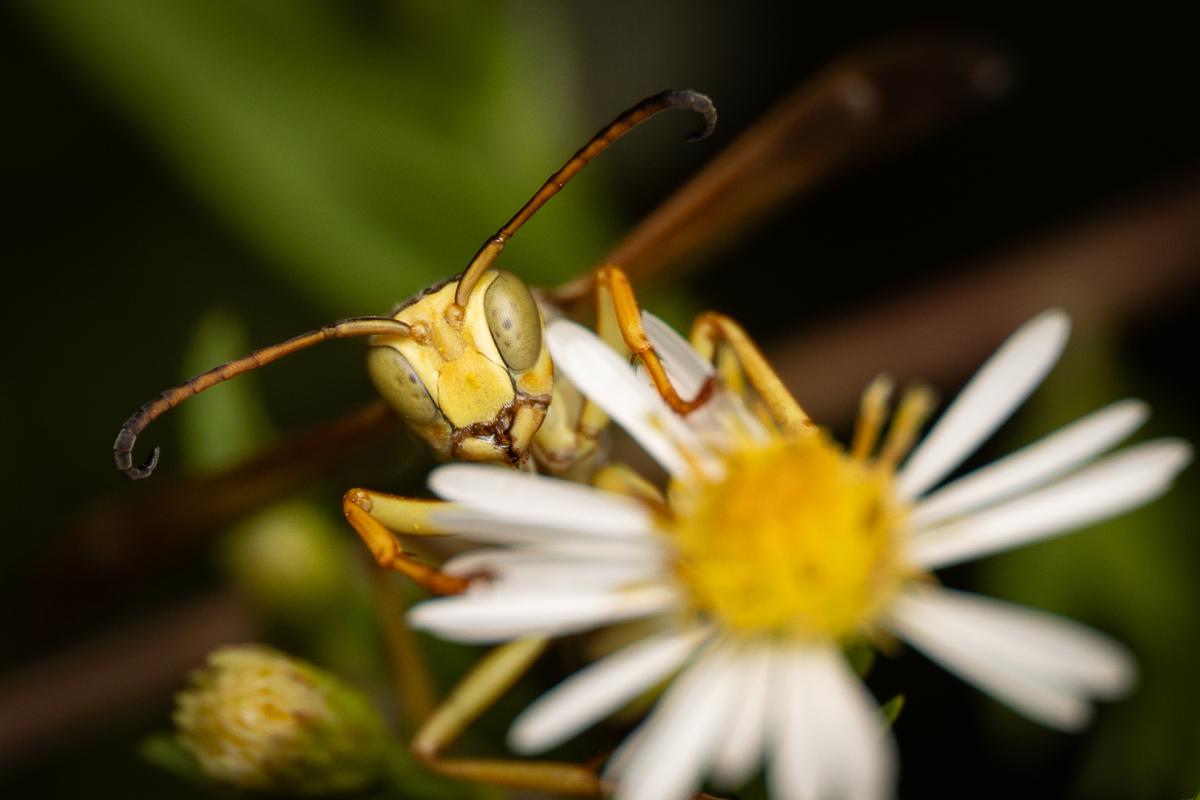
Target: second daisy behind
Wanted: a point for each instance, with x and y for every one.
(773, 549)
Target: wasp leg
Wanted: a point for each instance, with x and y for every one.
(711, 330)
(478, 691)
(568, 443)
(412, 678)
(617, 314)
(571, 431)
(621, 479)
(372, 514)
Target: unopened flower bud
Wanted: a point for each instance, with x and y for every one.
(258, 719)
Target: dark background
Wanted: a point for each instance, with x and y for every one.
(289, 164)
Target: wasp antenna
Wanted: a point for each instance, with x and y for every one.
(342, 329)
(122, 454)
(687, 99)
(698, 102)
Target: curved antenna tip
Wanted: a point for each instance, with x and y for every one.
(699, 102)
(143, 470)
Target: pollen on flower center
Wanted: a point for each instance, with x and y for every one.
(798, 539)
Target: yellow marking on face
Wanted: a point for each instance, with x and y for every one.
(473, 390)
(538, 380)
(461, 367)
(467, 378)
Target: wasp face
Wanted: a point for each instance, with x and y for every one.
(478, 390)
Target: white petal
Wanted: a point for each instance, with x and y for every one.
(597, 691)
(742, 751)
(672, 760)
(988, 399)
(649, 550)
(1048, 648)
(974, 656)
(539, 500)
(481, 526)
(1122, 481)
(688, 371)
(619, 761)
(1036, 464)
(488, 615)
(830, 740)
(602, 376)
(553, 571)
(794, 769)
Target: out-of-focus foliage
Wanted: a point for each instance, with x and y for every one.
(354, 153)
(343, 143)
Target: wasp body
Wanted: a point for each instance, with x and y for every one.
(463, 362)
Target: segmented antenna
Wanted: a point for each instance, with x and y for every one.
(627, 121)
(342, 329)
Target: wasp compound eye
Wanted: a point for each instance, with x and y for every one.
(513, 319)
(400, 385)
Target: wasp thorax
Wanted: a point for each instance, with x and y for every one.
(513, 319)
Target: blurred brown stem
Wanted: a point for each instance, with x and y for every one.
(114, 543)
(1104, 272)
(113, 673)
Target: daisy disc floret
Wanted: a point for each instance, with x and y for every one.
(772, 548)
(796, 539)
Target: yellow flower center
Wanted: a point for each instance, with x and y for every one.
(798, 539)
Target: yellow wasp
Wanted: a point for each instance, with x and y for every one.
(464, 364)
(463, 361)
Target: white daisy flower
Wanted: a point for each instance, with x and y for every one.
(773, 552)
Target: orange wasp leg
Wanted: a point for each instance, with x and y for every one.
(616, 303)
(374, 516)
(711, 330)
(495, 675)
(498, 671)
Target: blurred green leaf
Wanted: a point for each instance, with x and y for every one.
(221, 427)
(891, 709)
(163, 750)
(360, 161)
(862, 658)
